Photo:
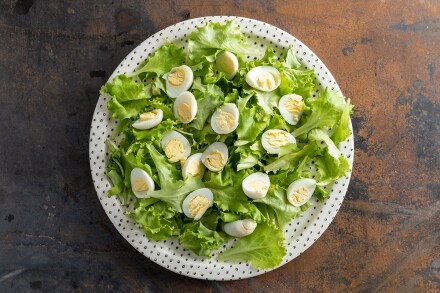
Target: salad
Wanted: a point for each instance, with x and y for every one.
(219, 142)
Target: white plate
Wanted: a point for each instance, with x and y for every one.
(300, 233)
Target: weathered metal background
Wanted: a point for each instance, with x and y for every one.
(54, 55)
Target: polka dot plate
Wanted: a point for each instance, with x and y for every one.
(300, 233)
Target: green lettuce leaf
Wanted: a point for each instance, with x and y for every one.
(208, 97)
(167, 171)
(128, 98)
(292, 159)
(158, 220)
(207, 40)
(251, 123)
(175, 192)
(201, 240)
(263, 249)
(343, 129)
(277, 200)
(326, 111)
(163, 60)
(332, 165)
(228, 194)
(291, 60)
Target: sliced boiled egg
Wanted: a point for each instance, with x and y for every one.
(148, 120)
(273, 139)
(300, 191)
(141, 182)
(264, 78)
(197, 202)
(193, 166)
(291, 108)
(256, 185)
(178, 80)
(215, 156)
(227, 63)
(185, 107)
(175, 146)
(225, 119)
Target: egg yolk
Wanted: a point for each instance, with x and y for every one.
(184, 111)
(194, 168)
(215, 159)
(140, 184)
(176, 76)
(293, 106)
(266, 80)
(148, 116)
(300, 194)
(259, 186)
(174, 150)
(225, 121)
(277, 139)
(197, 205)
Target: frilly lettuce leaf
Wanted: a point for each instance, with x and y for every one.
(263, 249)
(201, 240)
(343, 129)
(167, 171)
(163, 60)
(157, 219)
(332, 165)
(277, 200)
(228, 194)
(175, 192)
(325, 112)
(207, 40)
(128, 98)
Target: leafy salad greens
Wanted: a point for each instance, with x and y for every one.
(257, 131)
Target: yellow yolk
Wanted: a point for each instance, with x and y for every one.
(259, 186)
(277, 139)
(147, 116)
(184, 111)
(198, 205)
(140, 184)
(293, 106)
(174, 150)
(300, 194)
(266, 80)
(176, 76)
(225, 121)
(215, 159)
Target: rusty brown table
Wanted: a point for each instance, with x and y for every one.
(54, 55)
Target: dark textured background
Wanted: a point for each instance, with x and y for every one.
(54, 55)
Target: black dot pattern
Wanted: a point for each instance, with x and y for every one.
(300, 234)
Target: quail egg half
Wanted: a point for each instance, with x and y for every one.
(193, 166)
(215, 156)
(264, 78)
(141, 182)
(291, 108)
(148, 120)
(185, 107)
(300, 191)
(240, 228)
(225, 119)
(175, 146)
(256, 185)
(227, 63)
(197, 202)
(273, 139)
(178, 80)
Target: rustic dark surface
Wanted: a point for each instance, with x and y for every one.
(54, 56)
